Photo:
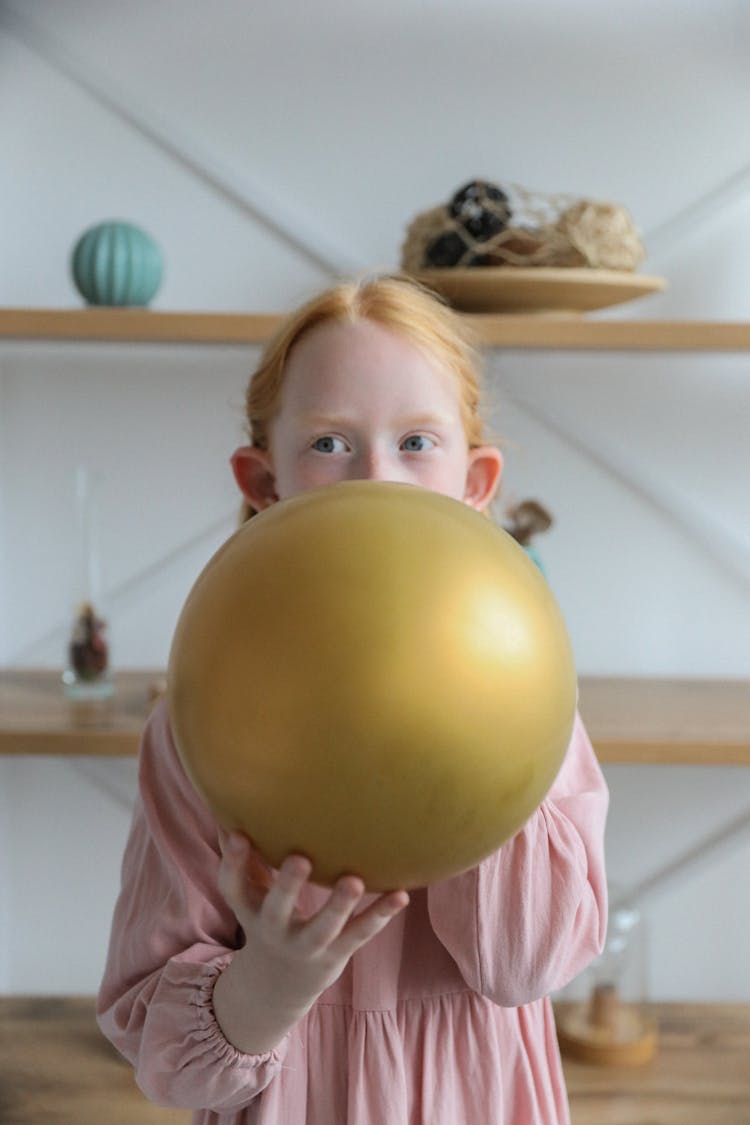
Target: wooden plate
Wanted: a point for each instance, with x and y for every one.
(507, 289)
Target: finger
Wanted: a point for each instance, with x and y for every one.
(370, 922)
(325, 926)
(241, 849)
(281, 901)
(243, 879)
(224, 835)
(259, 874)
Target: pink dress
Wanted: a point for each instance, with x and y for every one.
(442, 1019)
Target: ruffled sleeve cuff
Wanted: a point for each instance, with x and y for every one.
(198, 1068)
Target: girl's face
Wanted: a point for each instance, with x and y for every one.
(359, 402)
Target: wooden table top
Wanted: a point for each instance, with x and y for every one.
(637, 720)
(55, 1066)
(700, 1075)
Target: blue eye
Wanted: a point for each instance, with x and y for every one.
(329, 444)
(417, 443)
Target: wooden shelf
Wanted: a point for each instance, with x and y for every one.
(647, 721)
(580, 334)
(37, 718)
(524, 332)
(136, 326)
(700, 1072)
(667, 721)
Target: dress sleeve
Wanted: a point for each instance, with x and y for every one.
(529, 918)
(172, 934)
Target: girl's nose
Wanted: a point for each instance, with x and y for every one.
(377, 464)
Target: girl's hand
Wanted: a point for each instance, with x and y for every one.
(287, 960)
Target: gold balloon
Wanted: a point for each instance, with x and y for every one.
(375, 676)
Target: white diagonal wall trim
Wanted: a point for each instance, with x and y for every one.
(689, 862)
(266, 208)
(725, 548)
(114, 784)
(117, 598)
(672, 233)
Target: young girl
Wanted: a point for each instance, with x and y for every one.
(253, 996)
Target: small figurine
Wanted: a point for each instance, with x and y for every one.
(527, 519)
(88, 650)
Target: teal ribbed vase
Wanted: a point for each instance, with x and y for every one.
(116, 264)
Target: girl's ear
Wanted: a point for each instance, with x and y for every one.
(483, 476)
(252, 471)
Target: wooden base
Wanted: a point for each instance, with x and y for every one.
(628, 1040)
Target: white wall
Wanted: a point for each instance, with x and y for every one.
(642, 459)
